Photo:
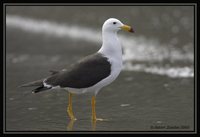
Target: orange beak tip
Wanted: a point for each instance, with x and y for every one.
(131, 30)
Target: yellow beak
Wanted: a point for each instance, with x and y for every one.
(127, 28)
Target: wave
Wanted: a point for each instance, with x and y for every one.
(139, 49)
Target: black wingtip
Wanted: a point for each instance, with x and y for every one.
(39, 89)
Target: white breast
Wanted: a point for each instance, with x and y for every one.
(116, 67)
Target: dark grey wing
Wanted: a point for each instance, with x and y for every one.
(83, 74)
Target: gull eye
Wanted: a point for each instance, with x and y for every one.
(114, 22)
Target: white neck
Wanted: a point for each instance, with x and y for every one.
(111, 46)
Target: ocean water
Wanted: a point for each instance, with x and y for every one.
(154, 92)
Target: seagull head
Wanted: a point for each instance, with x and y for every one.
(114, 25)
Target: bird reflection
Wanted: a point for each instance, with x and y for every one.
(93, 125)
(71, 125)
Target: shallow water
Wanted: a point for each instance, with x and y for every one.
(154, 92)
(134, 102)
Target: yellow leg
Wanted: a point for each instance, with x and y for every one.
(69, 108)
(93, 103)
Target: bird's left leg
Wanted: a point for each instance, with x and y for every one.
(93, 103)
(69, 108)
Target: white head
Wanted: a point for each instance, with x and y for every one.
(114, 25)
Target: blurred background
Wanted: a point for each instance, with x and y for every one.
(155, 88)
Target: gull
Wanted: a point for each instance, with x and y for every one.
(91, 73)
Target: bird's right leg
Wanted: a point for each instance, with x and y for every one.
(69, 108)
